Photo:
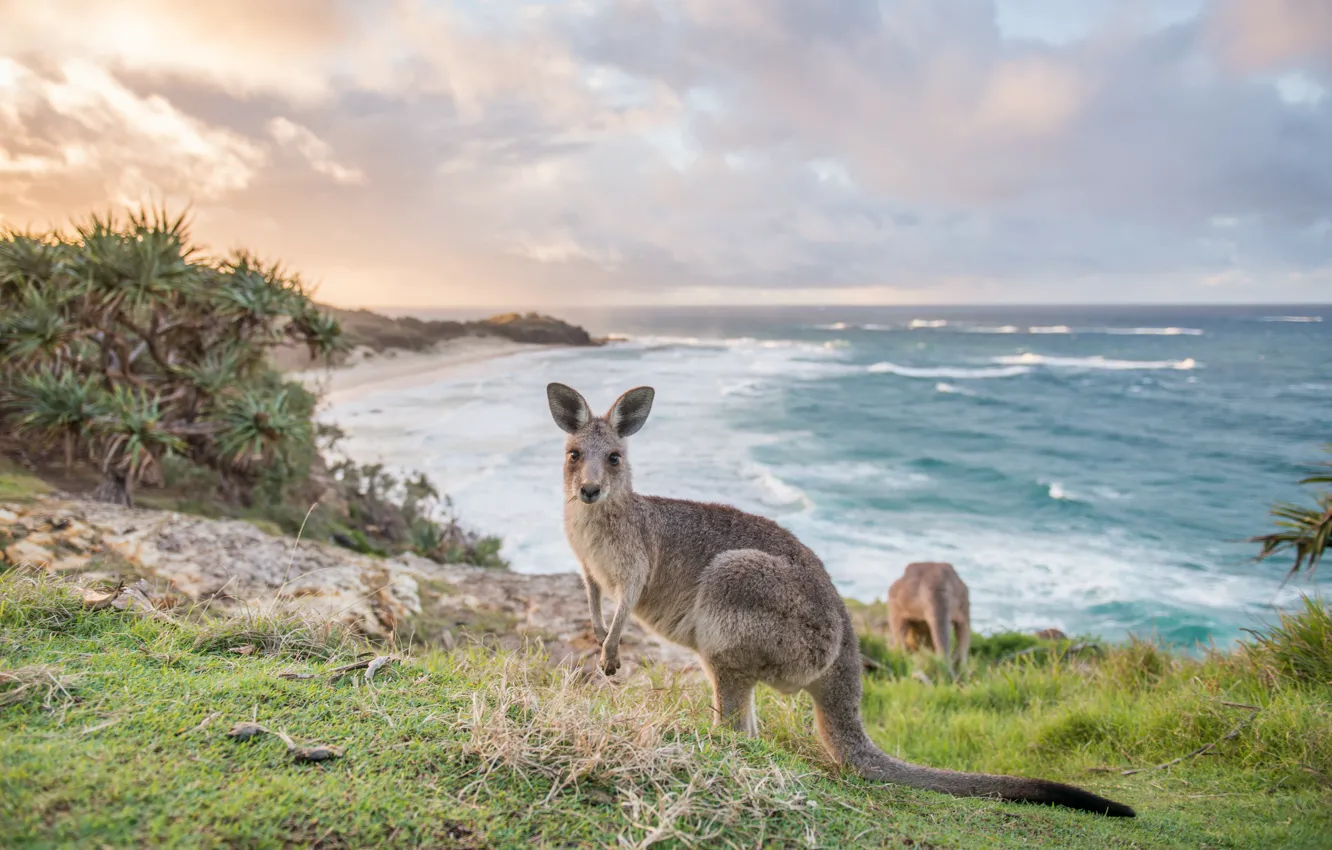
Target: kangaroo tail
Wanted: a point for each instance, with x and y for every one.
(837, 714)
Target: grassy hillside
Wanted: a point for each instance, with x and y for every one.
(113, 729)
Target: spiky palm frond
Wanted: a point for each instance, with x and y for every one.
(31, 260)
(217, 372)
(51, 407)
(321, 333)
(254, 292)
(39, 329)
(1307, 530)
(138, 265)
(132, 432)
(256, 425)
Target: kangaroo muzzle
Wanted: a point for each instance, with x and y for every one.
(590, 493)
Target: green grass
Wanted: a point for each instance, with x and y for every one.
(19, 485)
(103, 741)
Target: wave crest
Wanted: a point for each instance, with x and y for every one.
(1093, 362)
(956, 372)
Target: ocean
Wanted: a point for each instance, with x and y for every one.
(1090, 469)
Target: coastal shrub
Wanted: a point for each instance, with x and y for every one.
(122, 346)
(1298, 648)
(386, 515)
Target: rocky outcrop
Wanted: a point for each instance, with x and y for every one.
(232, 564)
(532, 328)
(367, 331)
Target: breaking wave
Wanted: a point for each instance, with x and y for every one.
(955, 372)
(1094, 362)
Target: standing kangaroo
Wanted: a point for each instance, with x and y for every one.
(931, 593)
(742, 592)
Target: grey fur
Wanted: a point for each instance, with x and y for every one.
(932, 594)
(753, 601)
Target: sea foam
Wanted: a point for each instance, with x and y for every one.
(1093, 362)
(955, 372)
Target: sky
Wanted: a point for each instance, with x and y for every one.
(617, 152)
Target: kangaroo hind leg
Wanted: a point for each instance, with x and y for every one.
(733, 701)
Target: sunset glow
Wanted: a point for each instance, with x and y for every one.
(543, 154)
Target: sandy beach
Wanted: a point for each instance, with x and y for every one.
(367, 371)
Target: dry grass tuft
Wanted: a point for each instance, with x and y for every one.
(636, 745)
(276, 630)
(44, 680)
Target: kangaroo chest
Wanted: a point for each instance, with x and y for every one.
(607, 550)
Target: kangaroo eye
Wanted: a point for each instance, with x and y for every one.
(575, 454)
(614, 458)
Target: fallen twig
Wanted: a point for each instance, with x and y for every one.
(88, 730)
(294, 674)
(339, 672)
(374, 665)
(370, 665)
(203, 724)
(245, 730)
(1233, 733)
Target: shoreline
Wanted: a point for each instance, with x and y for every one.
(368, 371)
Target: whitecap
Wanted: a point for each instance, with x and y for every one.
(957, 372)
(951, 389)
(775, 492)
(1291, 319)
(1050, 329)
(1146, 331)
(746, 388)
(916, 324)
(1002, 329)
(1094, 362)
(743, 343)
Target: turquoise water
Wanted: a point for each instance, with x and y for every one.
(1089, 469)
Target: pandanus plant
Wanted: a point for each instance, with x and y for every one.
(122, 343)
(132, 437)
(58, 408)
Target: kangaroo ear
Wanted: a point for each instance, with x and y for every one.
(568, 407)
(631, 410)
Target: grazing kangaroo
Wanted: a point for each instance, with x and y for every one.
(742, 592)
(933, 594)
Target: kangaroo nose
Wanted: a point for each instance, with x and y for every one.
(589, 492)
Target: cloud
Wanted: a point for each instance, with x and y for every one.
(1267, 35)
(632, 150)
(317, 152)
(243, 47)
(80, 123)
